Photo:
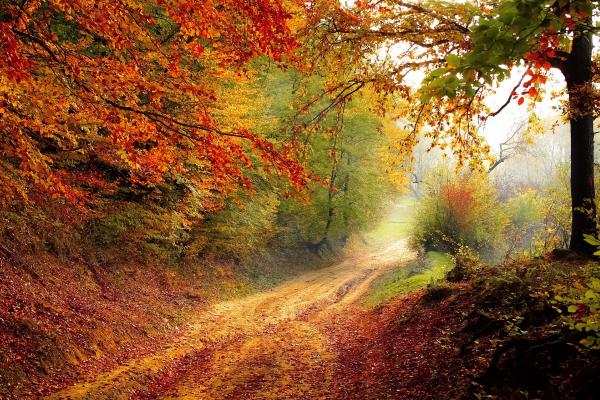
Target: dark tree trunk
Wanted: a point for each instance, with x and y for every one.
(578, 74)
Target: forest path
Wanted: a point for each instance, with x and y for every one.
(271, 345)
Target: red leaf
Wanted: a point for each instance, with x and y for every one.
(532, 91)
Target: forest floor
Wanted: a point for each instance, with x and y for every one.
(335, 333)
(379, 323)
(278, 344)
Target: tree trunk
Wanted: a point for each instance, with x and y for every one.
(331, 193)
(578, 74)
(346, 191)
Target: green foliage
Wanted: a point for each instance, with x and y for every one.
(461, 210)
(583, 310)
(539, 217)
(66, 30)
(498, 41)
(524, 209)
(407, 278)
(245, 226)
(147, 231)
(525, 214)
(554, 201)
(556, 207)
(349, 155)
(594, 242)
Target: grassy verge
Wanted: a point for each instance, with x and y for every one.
(408, 277)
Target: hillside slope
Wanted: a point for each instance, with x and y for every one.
(495, 332)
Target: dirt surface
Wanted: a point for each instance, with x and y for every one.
(272, 345)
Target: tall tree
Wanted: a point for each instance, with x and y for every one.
(543, 35)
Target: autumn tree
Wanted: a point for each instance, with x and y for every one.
(541, 35)
(95, 95)
(358, 189)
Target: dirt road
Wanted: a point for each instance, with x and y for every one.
(271, 345)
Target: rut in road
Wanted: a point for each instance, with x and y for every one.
(271, 345)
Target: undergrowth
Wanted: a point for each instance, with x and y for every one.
(525, 329)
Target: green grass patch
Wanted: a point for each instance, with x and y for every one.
(408, 277)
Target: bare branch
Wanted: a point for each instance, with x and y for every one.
(507, 102)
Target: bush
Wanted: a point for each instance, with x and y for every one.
(582, 304)
(540, 219)
(458, 211)
(244, 228)
(466, 266)
(525, 212)
(141, 231)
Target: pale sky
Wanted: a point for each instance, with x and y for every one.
(497, 128)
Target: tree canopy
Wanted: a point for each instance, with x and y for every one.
(104, 95)
(100, 94)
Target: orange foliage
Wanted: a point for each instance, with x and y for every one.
(460, 201)
(96, 94)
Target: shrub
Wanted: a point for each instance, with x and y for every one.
(245, 227)
(143, 231)
(466, 265)
(556, 213)
(525, 213)
(458, 211)
(583, 311)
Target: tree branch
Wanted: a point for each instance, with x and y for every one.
(507, 102)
